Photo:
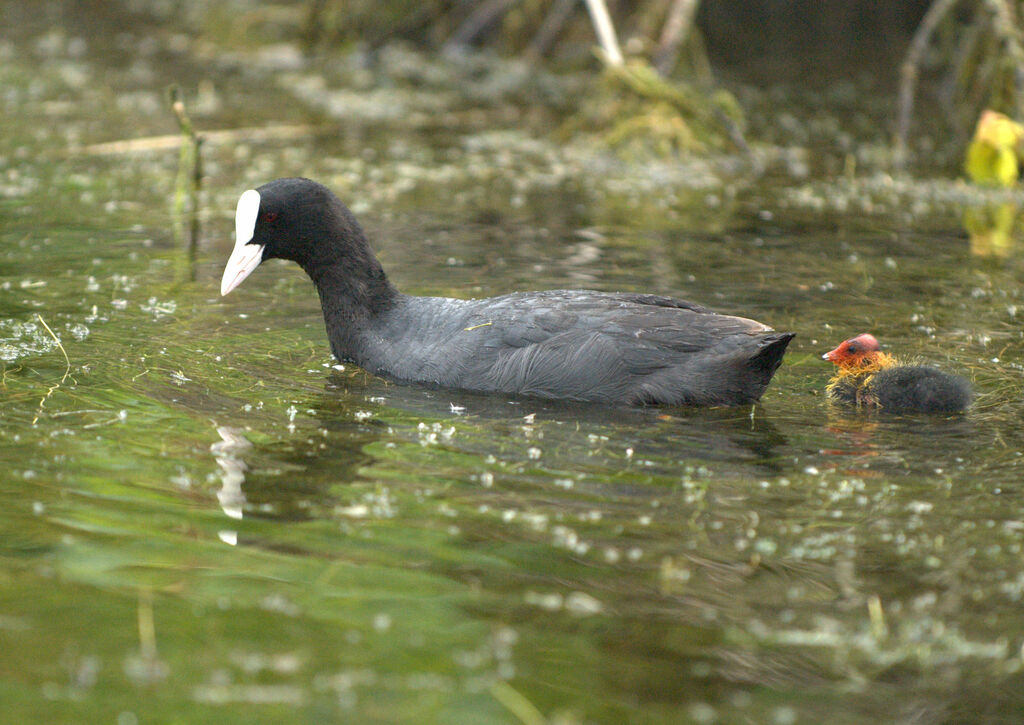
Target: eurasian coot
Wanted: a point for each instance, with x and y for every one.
(571, 344)
(868, 377)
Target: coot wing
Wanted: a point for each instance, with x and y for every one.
(614, 347)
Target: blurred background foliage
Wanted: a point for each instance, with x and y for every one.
(945, 60)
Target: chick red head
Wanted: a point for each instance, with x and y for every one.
(854, 352)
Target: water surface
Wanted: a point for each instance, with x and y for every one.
(206, 519)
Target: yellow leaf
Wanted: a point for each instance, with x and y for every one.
(999, 130)
(1006, 169)
(994, 153)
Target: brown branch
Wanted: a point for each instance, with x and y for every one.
(551, 28)
(173, 141)
(674, 33)
(910, 70)
(1008, 29)
(485, 15)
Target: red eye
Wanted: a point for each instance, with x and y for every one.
(269, 216)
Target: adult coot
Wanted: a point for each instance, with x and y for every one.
(571, 344)
(868, 377)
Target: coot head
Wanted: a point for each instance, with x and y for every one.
(855, 352)
(296, 219)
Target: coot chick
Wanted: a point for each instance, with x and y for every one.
(569, 344)
(869, 378)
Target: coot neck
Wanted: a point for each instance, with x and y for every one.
(353, 290)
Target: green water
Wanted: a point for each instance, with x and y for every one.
(203, 520)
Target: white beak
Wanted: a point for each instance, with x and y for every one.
(244, 257)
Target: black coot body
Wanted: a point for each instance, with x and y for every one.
(570, 344)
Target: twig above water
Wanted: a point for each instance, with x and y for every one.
(910, 69)
(605, 30)
(486, 14)
(674, 34)
(173, 141)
